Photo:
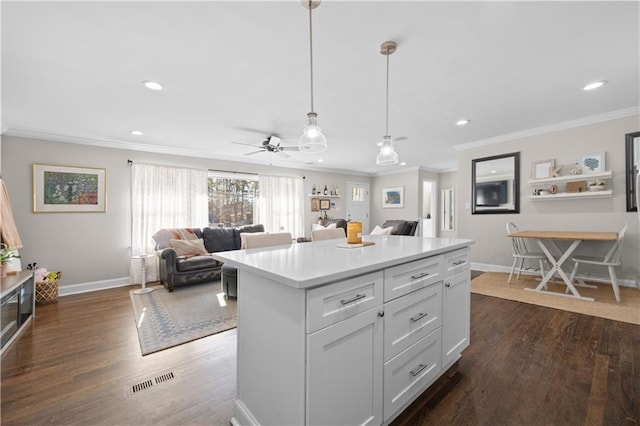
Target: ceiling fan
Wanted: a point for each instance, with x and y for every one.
(271, 144)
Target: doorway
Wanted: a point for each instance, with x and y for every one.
(358, 204)
(429, 208)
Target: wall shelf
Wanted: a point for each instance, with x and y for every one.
(323, 196)
(570, 178)
(572, 195)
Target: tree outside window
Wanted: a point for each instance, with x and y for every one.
(231, 201)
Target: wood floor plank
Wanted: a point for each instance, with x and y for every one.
(77, 363)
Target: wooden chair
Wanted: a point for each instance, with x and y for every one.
(611, 260)
(521, 253)
(268, 240)
(327, 234)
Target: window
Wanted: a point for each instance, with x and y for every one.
(232, 199)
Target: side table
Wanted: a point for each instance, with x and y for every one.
(143, 261)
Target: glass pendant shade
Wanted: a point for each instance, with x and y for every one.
(387, 155)
(312, 139)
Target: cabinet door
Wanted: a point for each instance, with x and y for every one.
(344, 371)
(456, 313)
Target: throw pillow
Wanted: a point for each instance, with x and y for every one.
(189, 247)
(164, 236)
(381, 231)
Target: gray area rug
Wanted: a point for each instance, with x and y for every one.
(164, 319)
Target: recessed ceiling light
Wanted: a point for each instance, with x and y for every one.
(136, 133)
(594, 85)
(462, 122)
(152, 85)
(320, 160)
(403, 163)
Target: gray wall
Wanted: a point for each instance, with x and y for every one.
(566, 147)
(94, 247)
(412, 197)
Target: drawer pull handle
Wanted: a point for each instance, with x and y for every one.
(418, 369)
(417, 277)
(459, 262)
(447, 285)
(418, 317)
(353, 299)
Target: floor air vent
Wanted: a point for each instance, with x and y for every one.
(146, 384)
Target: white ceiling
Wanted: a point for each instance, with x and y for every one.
(239, 71)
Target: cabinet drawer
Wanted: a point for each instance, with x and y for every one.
(403, 279)
(410, 318)
(457, 261)
(412, 370)
(332, 303)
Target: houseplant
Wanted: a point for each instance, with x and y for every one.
(6, 253)
(597, 185)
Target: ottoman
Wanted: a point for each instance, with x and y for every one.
(229, 281)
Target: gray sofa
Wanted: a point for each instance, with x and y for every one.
(185, 270)
(401, 227)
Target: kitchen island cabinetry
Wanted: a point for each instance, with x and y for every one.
(328, 335)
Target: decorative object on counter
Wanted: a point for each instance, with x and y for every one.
(577, 169)
(354, 232)
(325, 192)
(593, 163)
(578, 186)
(69, 189)
(597, 185)
(313, 189)
(6, 253)
(315, 204)
(542, 169)
(393, 197)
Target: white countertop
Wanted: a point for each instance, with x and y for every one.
(305, 265)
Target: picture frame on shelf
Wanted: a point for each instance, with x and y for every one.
(69, 189)
(315, 204)
(393, 198)
(325, 204)
(593, 163)
(542, 169)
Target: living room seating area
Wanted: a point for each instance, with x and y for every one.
(184, 252)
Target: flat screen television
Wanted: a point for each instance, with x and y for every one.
(492, 194)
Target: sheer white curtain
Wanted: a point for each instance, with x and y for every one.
(281, 204)
(163, 197)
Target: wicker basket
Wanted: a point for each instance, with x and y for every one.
(47, 291)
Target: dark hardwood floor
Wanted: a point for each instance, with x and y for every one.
(527, 365)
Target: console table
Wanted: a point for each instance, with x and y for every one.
(331, 335)
(17, 305)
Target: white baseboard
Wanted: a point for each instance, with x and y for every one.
(65, 290)
(486, 267)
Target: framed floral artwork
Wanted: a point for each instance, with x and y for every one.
(64, 189)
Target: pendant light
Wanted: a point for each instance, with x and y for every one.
(312, 139)
(387, 155)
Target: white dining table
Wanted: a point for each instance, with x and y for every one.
(547, 242)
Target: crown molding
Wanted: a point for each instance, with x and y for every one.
(622, 113)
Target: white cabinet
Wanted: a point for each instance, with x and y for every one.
(456, 302)
(345, 372)
(356, 350)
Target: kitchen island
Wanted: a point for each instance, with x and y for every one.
(334, 335)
